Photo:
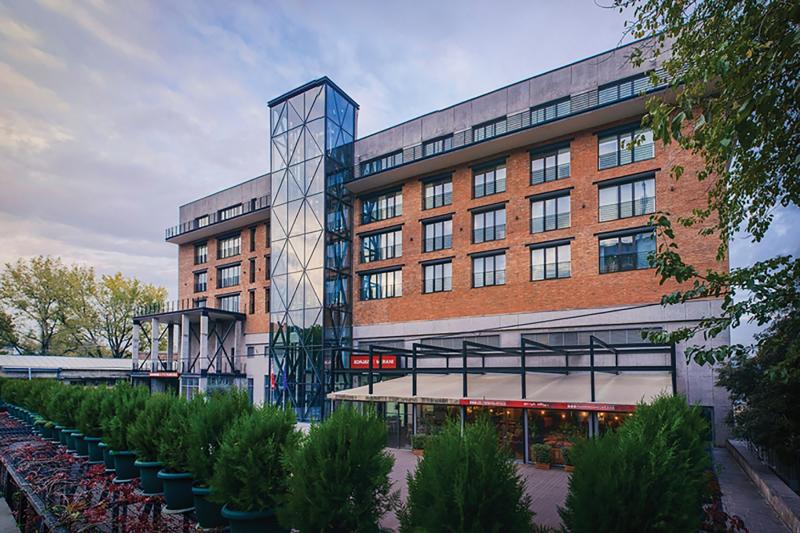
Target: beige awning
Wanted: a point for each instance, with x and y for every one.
(543, 390)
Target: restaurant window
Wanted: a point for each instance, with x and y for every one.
(551, 213)
(381, 207)
(200, 253)
(228, 276)
(489, 225)
(229, 247)
(488, 270)
(550, 165)
(229, 303)
(628, 199)
(438, 277)
(489, 180)
(627, 252)
(383, 245)
(437, 146)
(230, 212)
(551, 262)
(438, 193)
(252, 272)
(438, 235)
(200, 281)
(380, 285)
(623, 147)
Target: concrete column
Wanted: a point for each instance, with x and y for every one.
(186, 336)
(154, 333)
(170, 345)
(202, 361)
(238, 337)
(137, 330)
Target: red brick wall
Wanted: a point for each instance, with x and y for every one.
(585, 289)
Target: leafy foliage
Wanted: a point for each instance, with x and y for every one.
(541, 453)
(148, 430)
(128, 403)
(8, 333)
(208, 424)
(174, 446)
(466, 483)
(89, 417)
(63, 405)
(251, 472)
(734, 65)
(340, 476)
(647, 476)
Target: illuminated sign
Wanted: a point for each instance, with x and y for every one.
(378, 362)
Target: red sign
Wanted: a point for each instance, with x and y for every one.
(525, 404)
(163, 374)
(378, 361)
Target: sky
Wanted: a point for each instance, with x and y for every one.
(112, 114)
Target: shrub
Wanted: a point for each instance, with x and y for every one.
(174, 445)
(251, 473)
(64, 403)
(89, 412)
(147, 431)
(418, 441)
(128, 403)
(468, 482)
(343, 470)
(541, 453)
(208, 424)
(566, 452)
(647, 476)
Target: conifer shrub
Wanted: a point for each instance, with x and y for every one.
(649, 475)
(128, 403)
(90, 410)
(173, 447)
(340, 475)
(63, 405)
(148, 430)
(466, 483)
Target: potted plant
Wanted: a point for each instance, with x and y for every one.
(566, 452)
(107, 406)
(251, 476)
(209, 421)
(541, 456)
(418, 444)
(145, 436)
(172, 452)
(89, 422)
(128, 403)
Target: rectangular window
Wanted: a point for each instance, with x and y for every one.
(380, 246)
(489, 225)
(551, 262)
(252, 269)
(200, 302)
(267, 267)
(437, 146)
(488, 181)
(266, 300)
(550, 213)
(229, 212)
(438, 193)
(228, 276)
(620, 90)
(200, 281)
(200, 253)
(627, 199)
(489, 129)
(550, 111)
(438, 277)
(252, 239)
(375, 208)
(635, 144)
(488, 270)
(229, 247)
(382, 163)
(438, 235)
(266, 233)
(550, 165)
(201, 222)
(626, 252)
(251, 308)
(380, 285)
(228, 303)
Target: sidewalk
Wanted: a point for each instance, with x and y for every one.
(741, 497)
(7, 522)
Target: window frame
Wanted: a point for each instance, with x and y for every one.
(556, 247)
(197, 246)
(196, 285)
(227, 297)
(232, 211)
(221, 276)
(445, 281)
(392, 206)
(445, 146)
(618, 236)
(615, 137)
(499, 231)
(397, 286)
(446, 240)
(484, 170)
(551, 110)
(221, 245)
(489, 129)
(381, 163)
(445, 196)
(618, 184)
(483, 258)
(558, 152)
(394, 250)
(555, 196)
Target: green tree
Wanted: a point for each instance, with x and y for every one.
(8, 333)
(734, 67)
(80, 332)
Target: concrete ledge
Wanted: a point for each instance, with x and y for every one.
(785, 502)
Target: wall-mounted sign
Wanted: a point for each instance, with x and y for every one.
(378, 362)
(569, 406)
(163, 374)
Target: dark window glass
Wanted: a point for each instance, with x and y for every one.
(629, 252)
(200, 281)
(228, 276)
(438, 193)
(438, 235)
(550, 214)
(252, 271)
(437, 146)
(229, 212)
(229, 303)
(380, 246)
(380, 285)
(489, 225)
(201, 222)
(550, 166)
(624, 89)
(438, 277)
(489, 181)
(551, 262)
(550, 111)
(488, 270)
(200, 253)
(252, 239)
(381, 207)
(627, 199)
(382, 163)
(625, 147)
(489, 130)
(229, 247)
(251, 307)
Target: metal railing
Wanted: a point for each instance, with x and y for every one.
(255, 204)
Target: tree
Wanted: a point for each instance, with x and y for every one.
(80, 333)
(8, 335)
(734, 67)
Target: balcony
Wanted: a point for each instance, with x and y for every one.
(218, 221)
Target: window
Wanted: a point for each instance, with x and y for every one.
(437, 146)
(550, 213)
(200, 281)
(489, 129)
(438, 235)
(252, 269)
(550, 165)
(267, 267)
(229, 247)
(550, 111)
(200, 302)
(626, 252)
(382, 163)
(381, 207)
(230, 212)
(200, 253)
(228, 303)
(251, 351)
(251, 308)
(380, 285)
(438, 277)
(624, 89)
(488, 270)
(383, 245)
(252, 239)
(438, 193)
(551, 262)
(228, 276)
(489, 225)
(628, 199)
(201, 222)
(266, 234)
(628, 146)
(489, 180)
(266, 300)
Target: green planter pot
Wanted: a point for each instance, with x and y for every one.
(69, 439)
(177, 491)
(124, 466)
(253, 522)
(94, 450)
(108, 459)
(60, 435)
(148, 477)
(209, 514)
(81, 446)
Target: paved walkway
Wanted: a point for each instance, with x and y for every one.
(547, 488)
(741, 497)
(7, 522)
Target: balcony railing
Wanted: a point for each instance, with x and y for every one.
(255, 204)
(172, 306)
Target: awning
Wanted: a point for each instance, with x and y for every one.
(613, 392)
